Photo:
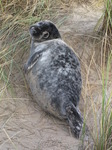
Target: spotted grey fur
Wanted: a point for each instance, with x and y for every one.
(53, 74)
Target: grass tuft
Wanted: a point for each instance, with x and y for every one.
(105, 134)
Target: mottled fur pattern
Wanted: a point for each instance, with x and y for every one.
(53, 74)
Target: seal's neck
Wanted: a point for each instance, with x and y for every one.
(33, 47)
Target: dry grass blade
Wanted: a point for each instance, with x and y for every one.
(9, 138)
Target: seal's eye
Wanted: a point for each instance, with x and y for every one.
(45, 35)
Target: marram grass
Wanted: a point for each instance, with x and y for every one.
(16, 17)
(106, 117)
(105, 135)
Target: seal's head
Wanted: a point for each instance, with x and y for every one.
(43, 31)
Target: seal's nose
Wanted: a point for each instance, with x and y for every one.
(33, 29)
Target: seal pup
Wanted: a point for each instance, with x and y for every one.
(53, 74)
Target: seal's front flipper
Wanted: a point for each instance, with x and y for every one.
(75, 120)
(31, 62)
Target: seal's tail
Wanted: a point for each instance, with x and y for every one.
(75, 120)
